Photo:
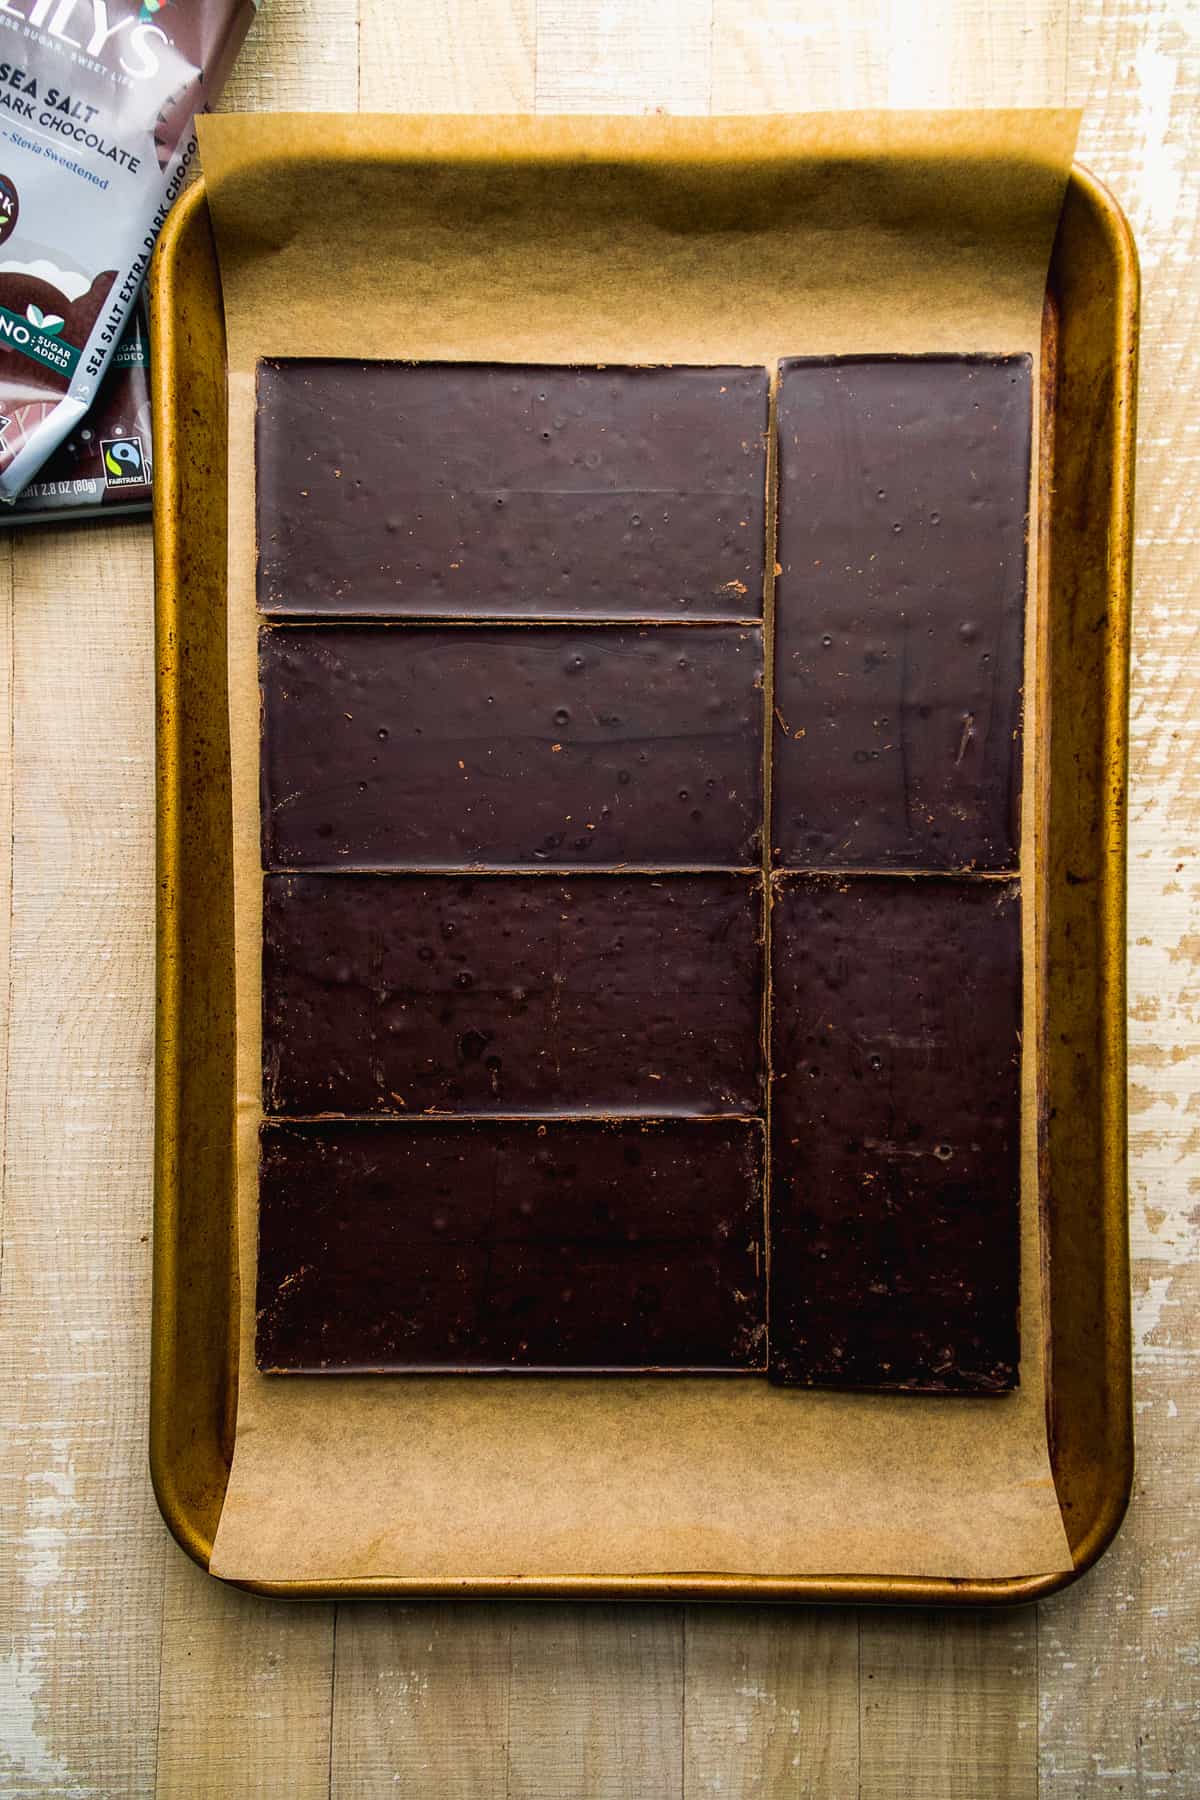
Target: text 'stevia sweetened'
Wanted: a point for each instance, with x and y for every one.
(97, 99)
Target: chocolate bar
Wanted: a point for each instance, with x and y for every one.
(457, 747)
(600, 994)
(498, 1245)
(448, 490)
(513, 952)
(899, 605)
(896, 1133)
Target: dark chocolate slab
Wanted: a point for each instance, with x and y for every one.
(511, 994)
(896, 1133)
(441, 490)
(903, 500)
(570, 1245)
(425, 747)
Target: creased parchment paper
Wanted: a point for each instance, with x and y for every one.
(655, 240)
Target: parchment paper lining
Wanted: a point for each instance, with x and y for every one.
(621, 240)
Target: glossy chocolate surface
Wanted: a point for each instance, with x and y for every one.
(502, 1245)
(489, 490)
(426, 747)
(511, 994)
(528, 1092)
(896, 1120)
(903, 502)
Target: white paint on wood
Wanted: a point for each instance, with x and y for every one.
(300, 56)
(82, 1548)
(442, 56)
(624, 56)
(421, 1702)
(1119, 1656)
(770, 1704)
(789, 56)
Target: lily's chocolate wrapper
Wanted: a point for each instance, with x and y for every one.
(97, 99)
(105, 468)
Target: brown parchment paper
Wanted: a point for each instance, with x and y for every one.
(655, 240)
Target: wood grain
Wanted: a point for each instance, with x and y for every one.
(624, 56)
(301, 56)
(770, 1703)
(422, 1702)
(789, 56)
(595, 1708)
(84, 1550)
(1120, 1700)
(442, 56)
(947, 1706)
(130, 1673)
(247, 1686)
(7, 791)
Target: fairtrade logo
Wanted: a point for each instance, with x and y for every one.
(124, 462)
(150, 8)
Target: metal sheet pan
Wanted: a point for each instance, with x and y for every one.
(1089, 370)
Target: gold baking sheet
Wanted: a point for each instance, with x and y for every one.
(562, 1483)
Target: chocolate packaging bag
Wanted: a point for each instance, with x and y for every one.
(97, 99)
(105, 467)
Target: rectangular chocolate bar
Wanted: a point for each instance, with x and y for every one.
(598, 994)
(896, 1129)
(444, 490)
(570, 1245)
(903, 510)
(461, 746)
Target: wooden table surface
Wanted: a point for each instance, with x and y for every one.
(129, 1671)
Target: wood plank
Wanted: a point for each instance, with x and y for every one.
(596, 1699)
(777, 55)
(948, 1704)
(770, 1703)
(245, 1700)
(82, 1577)
(623, 56)
(1120, 1700)
(421, 1702)
(300, 57)
(948, 1711)
(424, 1698)
(7, 727)
(256, 1717)
(448, 56)
(787, 56)
(596, 1703)
(420, 1699)
(420, 1696)
(771, 1700)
